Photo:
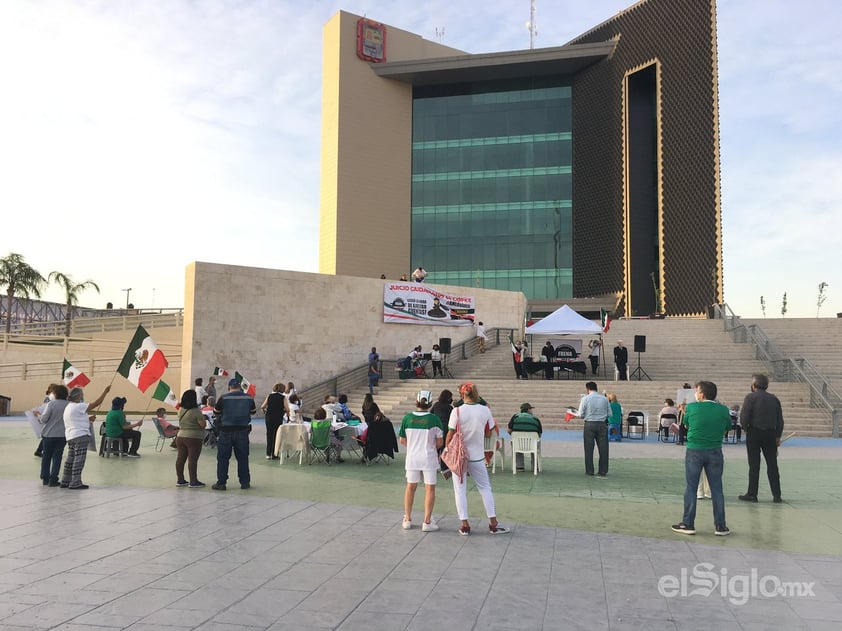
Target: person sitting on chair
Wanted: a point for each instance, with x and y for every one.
(170, 430)
(346, 411)
(615, 421)
(735, 422)
(666, 424)
(679, 429)
(116, 426)
(335, 443)
(524, 421)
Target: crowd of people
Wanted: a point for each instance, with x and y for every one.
(67, 420)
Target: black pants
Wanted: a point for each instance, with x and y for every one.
(437, 368)
(765, 441)
(133, 436)
(594, 363)
(623, 369)
(272, 425)
(596, 432)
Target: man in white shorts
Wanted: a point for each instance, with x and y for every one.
(423, 435)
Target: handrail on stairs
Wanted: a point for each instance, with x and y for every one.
(358, 376)
(784, 368)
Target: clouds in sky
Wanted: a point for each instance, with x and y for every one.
(136, 137)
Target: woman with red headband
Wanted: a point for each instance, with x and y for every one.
(475, 421)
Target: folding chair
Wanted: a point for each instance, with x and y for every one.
(348, 436)
(162, 436)
(635, 426)
(664, 422)
(381, 442)
(320, 441)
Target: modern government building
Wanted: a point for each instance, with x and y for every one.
(583, 171)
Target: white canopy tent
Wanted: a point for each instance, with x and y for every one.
(564, 321)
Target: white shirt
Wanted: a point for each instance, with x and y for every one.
(200, 393)
(474, 418)
(76, 421)
(421, 452)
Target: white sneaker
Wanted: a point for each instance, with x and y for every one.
(431, 527)
(406, 524)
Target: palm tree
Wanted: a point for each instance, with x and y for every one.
(19, 279)
(71, 294)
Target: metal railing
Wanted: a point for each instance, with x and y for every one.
(121, 320)
(52, 333)
(51, 371)
(783, 368)
(358, 377)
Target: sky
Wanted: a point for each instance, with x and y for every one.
(137, 137)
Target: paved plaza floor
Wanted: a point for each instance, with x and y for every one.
(318, 547)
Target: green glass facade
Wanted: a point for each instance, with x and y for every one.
(491, 185)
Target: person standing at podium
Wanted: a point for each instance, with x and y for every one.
(621, 360)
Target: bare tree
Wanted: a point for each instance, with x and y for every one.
(822, 297)
(71, 295)
(19, 279)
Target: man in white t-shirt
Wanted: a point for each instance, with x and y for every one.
(482, 337)
(422, 433)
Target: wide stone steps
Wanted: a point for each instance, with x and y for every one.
(677, 351)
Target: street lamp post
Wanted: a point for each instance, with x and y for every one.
(128, 293)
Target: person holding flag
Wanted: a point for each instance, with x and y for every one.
(77, 431)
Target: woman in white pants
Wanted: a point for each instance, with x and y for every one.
(476, 423)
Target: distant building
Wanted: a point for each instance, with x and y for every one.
(585, 170)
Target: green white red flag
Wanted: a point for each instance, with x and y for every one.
(248, 387)
(144, 363)
(164, 393)
(73, 377)
(220, 372)
(605, 320)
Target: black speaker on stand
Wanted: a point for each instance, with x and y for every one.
(639, 347)
(444, 349)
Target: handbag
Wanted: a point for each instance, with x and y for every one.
(455, 455)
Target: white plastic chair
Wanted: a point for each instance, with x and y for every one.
(292, 438)
(526, 443)
(497, 447)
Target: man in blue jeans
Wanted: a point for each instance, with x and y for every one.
(235, 409)
(706, 421)
(595, 409)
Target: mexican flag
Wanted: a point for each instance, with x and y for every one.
(220, 372)
(248, 387)
(144, 363)
(73, 377)
(605, 320)
(164, 393)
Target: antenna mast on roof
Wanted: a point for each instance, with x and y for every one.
(531, 25)
(439, 33)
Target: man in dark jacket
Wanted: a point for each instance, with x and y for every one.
(763, 422)
(235, 409)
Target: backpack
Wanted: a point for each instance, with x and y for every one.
(455, 455)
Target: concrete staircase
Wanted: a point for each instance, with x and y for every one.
(817, 340)
(677, 351)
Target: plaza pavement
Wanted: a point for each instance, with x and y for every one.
(320, 547)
